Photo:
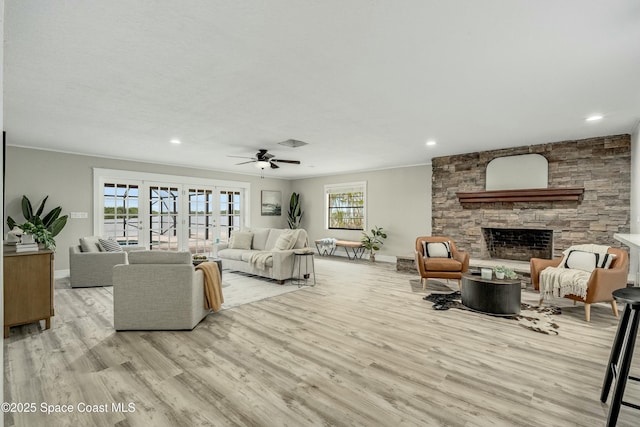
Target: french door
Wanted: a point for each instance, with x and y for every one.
(166, 216)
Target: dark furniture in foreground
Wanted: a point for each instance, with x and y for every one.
(622, 353)
(492, 296)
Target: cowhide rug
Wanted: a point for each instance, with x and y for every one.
(537, 319)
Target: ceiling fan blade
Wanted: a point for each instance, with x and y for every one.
(242, 157)
(244, 163)
(273, 165)
(294, 162)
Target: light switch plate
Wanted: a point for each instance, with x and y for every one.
(79, 215)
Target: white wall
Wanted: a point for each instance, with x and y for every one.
(398, 200)
(68, 181)
(1, 194)
(635, 198)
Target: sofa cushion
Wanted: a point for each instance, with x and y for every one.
(235, 254)
(110, 245)
(241, 240)
(442, 264)
(260, 236)
(159, 257)
(286, 240)
(301, 240)
(274, 234)
(90, 244)
(246, 257)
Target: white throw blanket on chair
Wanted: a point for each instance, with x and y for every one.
(560, 281)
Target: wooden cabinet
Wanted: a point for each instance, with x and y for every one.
(28, 287)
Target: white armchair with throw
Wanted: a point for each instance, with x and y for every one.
(158, 291)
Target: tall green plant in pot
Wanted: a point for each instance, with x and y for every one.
(373, 241)
(295, 211)
(43, 229)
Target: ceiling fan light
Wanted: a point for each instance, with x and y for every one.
(260, 164)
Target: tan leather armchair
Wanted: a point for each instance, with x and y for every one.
(440, 268)
(601, 283)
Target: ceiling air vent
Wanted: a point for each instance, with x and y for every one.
(293, 143)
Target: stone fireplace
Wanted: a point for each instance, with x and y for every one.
(519, 244)
(599, 167)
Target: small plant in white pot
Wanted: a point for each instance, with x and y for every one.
(503, 272)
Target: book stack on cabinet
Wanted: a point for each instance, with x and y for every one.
(26, 247)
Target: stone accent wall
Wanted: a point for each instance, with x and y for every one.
(601, 165)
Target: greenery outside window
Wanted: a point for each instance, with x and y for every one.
(346, 206)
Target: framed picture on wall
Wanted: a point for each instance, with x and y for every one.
(271, 203)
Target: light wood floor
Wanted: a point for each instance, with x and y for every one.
(361, 348)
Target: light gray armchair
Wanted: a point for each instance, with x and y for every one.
(90, 265)
(158, 291)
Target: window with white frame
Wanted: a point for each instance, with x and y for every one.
(346, 206)
(120, 213)
(168, 212)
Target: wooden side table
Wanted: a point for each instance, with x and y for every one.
(28, 287)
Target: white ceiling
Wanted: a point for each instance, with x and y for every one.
(365, 82)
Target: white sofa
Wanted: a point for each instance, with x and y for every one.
(265, 244)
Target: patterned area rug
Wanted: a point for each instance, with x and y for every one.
(537, 319)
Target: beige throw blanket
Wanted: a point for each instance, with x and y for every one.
(560, 281)
(213, 298)
(259, 259)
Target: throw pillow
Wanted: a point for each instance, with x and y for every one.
(241, 240)
(437, 249)
(286, 241)
(90, 244)
(110, 245)
(580, 260)
(608, 259)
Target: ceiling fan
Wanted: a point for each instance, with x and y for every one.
(263, 159)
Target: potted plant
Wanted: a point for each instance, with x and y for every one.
(295, 212)
(505, 272)
(43, 229)
(372, 242)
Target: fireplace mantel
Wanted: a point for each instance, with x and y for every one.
(572, 194)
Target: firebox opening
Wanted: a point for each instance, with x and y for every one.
(520, 244)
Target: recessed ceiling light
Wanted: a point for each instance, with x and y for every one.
(594, 118)
(175, 141)
(431, 143)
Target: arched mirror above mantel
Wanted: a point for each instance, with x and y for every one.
(519, 178)
(519, 172)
